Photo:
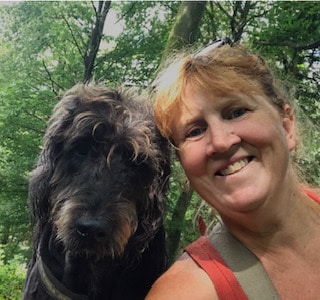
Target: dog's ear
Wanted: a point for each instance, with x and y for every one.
(39, 189)
(160, 185)
(39, 184)
(152, 213)
(38, 192)
(40, 180)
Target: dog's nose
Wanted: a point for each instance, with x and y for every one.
(90, 229)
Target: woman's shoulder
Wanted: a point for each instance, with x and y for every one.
(183, 280)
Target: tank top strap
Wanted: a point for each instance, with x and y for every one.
(312, 196)
(208, 258)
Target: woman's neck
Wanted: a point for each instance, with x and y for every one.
(285, 224)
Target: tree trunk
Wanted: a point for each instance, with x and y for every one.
(176, 225)
(95, 39)
(186, 26)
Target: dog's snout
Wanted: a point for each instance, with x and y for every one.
(90, 229)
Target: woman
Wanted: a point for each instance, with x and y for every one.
(234, 133)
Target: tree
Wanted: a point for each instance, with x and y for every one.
(135, 57)
(47, 47)
(92, 49)
(184, 30)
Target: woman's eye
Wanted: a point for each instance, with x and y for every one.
(236, 113)
(195, 132)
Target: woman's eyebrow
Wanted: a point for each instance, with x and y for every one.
(195, 119)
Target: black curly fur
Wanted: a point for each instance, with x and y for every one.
(97, 196)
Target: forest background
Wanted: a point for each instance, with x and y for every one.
(47, 47)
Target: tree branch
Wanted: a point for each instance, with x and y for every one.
(74, 37)
(222, 9)
(95, 40)
(52, 81)
(290, 44)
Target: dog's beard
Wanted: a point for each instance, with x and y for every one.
(94, 234)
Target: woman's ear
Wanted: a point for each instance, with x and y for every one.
(289, 126)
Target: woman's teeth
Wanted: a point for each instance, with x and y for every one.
(237, 166)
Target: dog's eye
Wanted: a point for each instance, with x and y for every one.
(124, 153)
(83, 148)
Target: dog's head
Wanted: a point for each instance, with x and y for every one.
(101, 178)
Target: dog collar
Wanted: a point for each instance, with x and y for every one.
(53, 286)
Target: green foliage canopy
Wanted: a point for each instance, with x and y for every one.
(44, 50)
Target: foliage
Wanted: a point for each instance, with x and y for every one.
(12, 277)
(135, 56)
(43, 52)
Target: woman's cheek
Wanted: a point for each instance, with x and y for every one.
(192, 160)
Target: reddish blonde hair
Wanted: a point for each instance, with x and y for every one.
(222, 71)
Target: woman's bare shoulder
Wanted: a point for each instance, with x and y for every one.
(183, 280)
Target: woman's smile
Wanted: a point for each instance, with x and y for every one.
(234, 167)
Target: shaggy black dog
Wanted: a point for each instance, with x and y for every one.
(97, 197)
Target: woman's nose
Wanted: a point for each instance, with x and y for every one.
(221, 137)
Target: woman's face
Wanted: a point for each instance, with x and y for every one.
(234, 149)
